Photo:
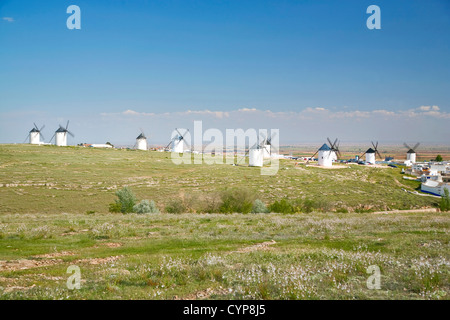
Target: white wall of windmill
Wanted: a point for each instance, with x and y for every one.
(141, 144)
(256, 157)
(178, 146)
(61, 139)
(266, 151)
(370, 158)
(35, 138)
(325, 158)
(411, 157)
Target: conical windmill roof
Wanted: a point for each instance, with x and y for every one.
(411, 151)
(61, 129)
(34, 130)
(370, 150)
(141, 136)
(324, 147)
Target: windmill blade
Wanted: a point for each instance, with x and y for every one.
(416, 146)
(373, 145)
(67, 125)
(142, 131)
(379, 154)
(182, 135)
(26, 138)
(42, 128)
(406, 146)
(42, 135)
(36, 126)
(338, 151)
(72, 135)
(171, 141)
(52, 137)
(362, 155)
(329, 141)
(307, 161)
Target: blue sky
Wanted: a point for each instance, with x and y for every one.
(293, 65)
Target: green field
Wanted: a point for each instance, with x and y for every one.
(54, 213)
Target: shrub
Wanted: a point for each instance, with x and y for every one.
(444, 205)
(145, 206)
(282, 206)
(438, 158)
(237, 200)
(259, 207)
(308, 206)
(115, 207)
(126, 200)
(176, 206)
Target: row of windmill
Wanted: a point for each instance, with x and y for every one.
(327, 154)
(60, 135)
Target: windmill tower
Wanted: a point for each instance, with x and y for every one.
(177, 142)
(256, 155)
(411, 154)
(371, 153)
(327, 154)
(61, 135)
(35, 135)
(141, 141)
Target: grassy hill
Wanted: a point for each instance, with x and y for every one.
(53, 179)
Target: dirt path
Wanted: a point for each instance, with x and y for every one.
(407, 211)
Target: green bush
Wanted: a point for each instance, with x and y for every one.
(438, 158)
(444, 205)
(115, 207)
(145, 206)
(259, 207)
(237, 200)
(282, 206)
(176, 206)
(125, 201)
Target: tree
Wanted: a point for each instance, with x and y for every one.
(439, 158)
(444, 205)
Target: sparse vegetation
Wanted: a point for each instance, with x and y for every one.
(237, 200)
(438, 158)
(146, 206)
(444, 205)
(125, 202)
(259, 207)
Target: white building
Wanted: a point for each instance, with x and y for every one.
(256, 156)
(61, 137)
(141, 142)
(325, 156)
(411, 156)
(370, 156)
(35, 136)
(434, 187)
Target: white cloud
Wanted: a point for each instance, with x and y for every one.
(9, 19)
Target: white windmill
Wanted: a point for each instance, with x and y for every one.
(411, 154)
(371, 153)
(61, 135)
(177, 142)
(141, 141)
(327, 155)
(256, 155)
(35, 135)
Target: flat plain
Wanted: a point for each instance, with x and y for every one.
(54, 214)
